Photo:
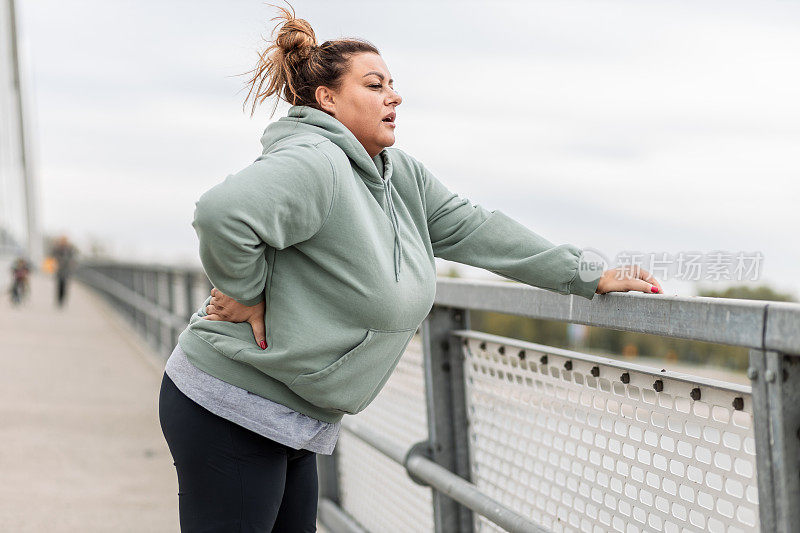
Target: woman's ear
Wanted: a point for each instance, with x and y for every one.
(325, 99)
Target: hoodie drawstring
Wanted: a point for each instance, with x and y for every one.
(387, 189)
(304, 119)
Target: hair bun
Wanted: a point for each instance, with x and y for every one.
(296, 37)
(293, 65)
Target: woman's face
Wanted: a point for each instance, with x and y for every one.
(365, 102)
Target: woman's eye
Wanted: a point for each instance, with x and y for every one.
(381, 86)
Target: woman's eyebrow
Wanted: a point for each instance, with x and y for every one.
(381, 76)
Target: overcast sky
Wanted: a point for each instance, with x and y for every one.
(660, 127)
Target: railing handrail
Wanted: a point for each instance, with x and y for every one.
(758, 324)
(90, 262)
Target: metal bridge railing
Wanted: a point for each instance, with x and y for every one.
(475, 432)
(157, 300)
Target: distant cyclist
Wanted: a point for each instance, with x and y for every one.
(20, 271)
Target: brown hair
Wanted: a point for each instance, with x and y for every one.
(294, 65)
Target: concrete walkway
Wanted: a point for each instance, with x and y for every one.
(81, 448)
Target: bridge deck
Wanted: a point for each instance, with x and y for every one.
(81, 448)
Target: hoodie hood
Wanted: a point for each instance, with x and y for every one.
(375, 171)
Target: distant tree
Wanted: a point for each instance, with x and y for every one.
(630, 344)
(748, 292)
(98, 248)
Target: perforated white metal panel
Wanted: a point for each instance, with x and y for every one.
(375, 490)
(567, 440)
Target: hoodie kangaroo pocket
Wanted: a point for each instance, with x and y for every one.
(350, 382)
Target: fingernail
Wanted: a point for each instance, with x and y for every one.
(263, 345)
(653, 289)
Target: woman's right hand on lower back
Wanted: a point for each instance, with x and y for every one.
(227, 309)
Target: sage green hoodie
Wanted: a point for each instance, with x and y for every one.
(341, 247)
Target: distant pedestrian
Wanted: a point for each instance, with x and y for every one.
(20, 271)
(64, 253)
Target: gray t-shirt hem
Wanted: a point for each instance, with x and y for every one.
(256, 413)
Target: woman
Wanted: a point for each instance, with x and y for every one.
(321, 253)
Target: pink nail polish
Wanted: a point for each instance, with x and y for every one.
(263, 345)
(653, 289)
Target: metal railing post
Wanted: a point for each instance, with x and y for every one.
(155, 297)
(328, 473)
(446, 407)
(137, 286)
(128, 278)
(188, 286)
(147, 292)
(171, 306)
(776, 412)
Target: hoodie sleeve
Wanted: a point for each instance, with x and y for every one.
(472, 235)
(278, 201)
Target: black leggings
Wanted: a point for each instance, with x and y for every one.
(231, 479)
